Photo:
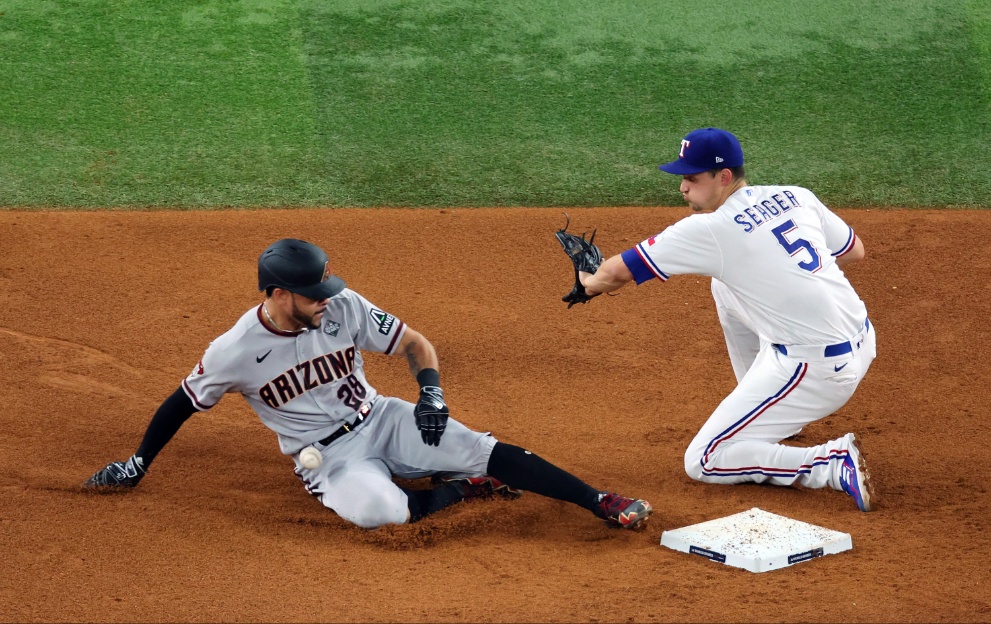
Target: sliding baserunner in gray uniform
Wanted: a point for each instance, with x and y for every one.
(296, 358)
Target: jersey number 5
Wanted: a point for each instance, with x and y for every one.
(793, 247)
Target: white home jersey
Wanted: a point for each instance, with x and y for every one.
(304, 385)
(775, 248)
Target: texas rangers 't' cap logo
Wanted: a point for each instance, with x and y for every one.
(706, 149)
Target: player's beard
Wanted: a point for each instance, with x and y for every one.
(304, 319)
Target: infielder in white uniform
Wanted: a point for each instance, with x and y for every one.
(797, 333)
(297, 359)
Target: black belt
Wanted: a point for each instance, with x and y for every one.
(347, 427)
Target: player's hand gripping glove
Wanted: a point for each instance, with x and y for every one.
(125, 474)
(431, 414)
(585, 257)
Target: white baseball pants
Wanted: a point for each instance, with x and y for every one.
(776, 395)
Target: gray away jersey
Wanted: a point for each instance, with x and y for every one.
(302, 386)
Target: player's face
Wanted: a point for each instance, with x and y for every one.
(308, 312)
(702, 191)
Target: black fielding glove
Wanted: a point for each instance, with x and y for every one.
(585, 258)
(578, 294)
(431, 411)
(125, 474)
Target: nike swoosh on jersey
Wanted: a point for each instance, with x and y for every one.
(260, 359)
(839, 368)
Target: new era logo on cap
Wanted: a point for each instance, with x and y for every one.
(704, 150)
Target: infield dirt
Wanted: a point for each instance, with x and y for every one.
(106, 312)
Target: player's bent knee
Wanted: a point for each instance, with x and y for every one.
(368, 522)
(375, 518)
(693, 465)
(376, 510)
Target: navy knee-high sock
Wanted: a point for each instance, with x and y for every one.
(422, 503)
(522, 469)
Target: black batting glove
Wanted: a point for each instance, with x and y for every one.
(125, 474)
(431, 414)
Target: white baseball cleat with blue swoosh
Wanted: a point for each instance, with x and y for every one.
(855, 479)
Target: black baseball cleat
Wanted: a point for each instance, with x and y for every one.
(118, 475)
(621, 512)
(481, 487)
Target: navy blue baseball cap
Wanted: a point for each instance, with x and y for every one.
(706, 149)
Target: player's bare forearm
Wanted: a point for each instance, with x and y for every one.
(420, 354)
(855, 254)
(613, 274)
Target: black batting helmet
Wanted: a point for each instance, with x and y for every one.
(299, 267)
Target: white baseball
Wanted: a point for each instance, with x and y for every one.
(310, 458)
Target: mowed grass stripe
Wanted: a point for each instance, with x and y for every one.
(139, 102)
(979, 28)
(566, 103)
(460, 103)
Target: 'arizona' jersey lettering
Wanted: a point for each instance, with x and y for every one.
(306, 376)
(301, 385)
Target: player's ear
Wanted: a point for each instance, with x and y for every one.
(725, 177)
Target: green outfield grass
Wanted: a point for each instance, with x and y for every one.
(211, 103)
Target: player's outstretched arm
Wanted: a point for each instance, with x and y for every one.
(170, 416)
(611, 275)
(431, 411)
